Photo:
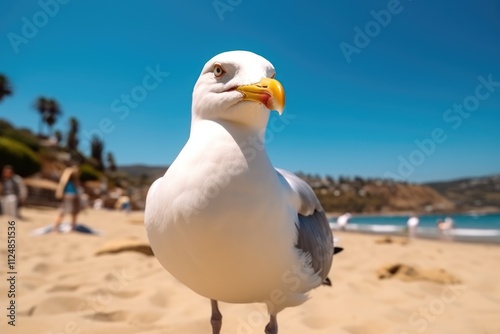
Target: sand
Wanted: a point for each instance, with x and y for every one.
(64, 287)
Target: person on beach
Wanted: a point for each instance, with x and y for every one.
(412, 224)
(445, 227)
(67, 191)
(13, 192)
(343, 220)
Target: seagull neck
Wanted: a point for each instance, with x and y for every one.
(220, 132)
(238, 131)
(230, 122)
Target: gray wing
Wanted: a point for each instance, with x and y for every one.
(314, 234)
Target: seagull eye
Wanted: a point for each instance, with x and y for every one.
(218, 71)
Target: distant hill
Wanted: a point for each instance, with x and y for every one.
(145, 171)
(360, 195)
(474, 193)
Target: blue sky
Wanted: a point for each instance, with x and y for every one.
(355, 115)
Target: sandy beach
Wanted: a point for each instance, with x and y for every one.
(379, 286)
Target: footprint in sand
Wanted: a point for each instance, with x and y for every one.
(409, 273)
(121, 293)
(317, 322)
(159, 298)
(126, 293)
(30, 282)
(114, 316)
(370, 327)
(64, 288)
(44, 268)
(61, 304)
(134, 319)
(27, 313)
(144, 318)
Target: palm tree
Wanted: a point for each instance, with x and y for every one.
(49, 111)
(41, 107)
(53, 113)
(5, 88)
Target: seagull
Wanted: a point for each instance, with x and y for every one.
(222, 220)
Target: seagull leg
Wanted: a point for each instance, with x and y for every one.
(272, 326)
(216, 319)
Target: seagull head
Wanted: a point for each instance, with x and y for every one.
(237, 87)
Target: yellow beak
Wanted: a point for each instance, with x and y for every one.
(268, 91)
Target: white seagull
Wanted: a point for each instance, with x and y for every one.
(223, 220)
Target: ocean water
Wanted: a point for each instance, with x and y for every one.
(468, 227)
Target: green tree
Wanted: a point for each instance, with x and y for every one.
(143, 179)
(96, 149)
(111, 162)
(88, 173)
(72, 142)
(5, 87)
(21, 135)
(20, 156)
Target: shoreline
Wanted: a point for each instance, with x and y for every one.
(456, 239)
(331, 215)
(469, 228)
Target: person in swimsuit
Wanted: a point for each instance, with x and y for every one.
(67, 191)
